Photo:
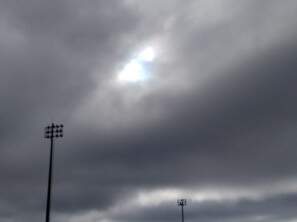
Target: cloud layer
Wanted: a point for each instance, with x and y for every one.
(216, 123)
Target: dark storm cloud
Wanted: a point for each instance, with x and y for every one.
(240, 132)
(223, 114)
(46, 52)
(54, 46)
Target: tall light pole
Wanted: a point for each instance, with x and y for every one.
(51, 131)
(182, 203)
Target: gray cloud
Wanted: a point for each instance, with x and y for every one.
(220, 110)
(245, 210)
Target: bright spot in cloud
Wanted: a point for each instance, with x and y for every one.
(132, 72)
(137, 69)
(148, 54)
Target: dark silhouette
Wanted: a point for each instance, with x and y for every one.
(52, 131)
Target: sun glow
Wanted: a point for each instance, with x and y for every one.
(132, 72)
(137, 69)
(148, 54)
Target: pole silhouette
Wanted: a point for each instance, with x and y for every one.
(52, 131)
(182, 203)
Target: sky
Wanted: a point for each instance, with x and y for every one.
(160, 100)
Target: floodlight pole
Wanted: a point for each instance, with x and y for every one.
(182, 203)
(51, 131)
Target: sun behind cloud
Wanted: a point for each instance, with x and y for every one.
(137, 69)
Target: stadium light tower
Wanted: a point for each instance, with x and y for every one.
(182, 203)
(51, 131)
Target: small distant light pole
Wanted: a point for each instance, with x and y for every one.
(51, 131)
(182, 203)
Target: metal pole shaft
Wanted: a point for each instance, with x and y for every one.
(182, 208)
(49, 185)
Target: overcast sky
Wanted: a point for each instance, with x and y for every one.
(160, 99)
